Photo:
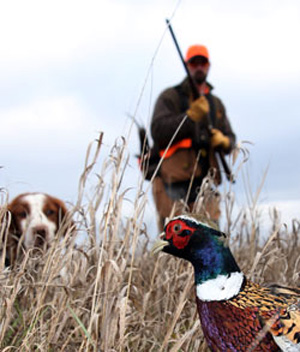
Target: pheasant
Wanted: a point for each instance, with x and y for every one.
(235, 313)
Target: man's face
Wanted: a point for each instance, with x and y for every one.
(198, 67)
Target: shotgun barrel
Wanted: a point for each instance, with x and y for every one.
(196, 95)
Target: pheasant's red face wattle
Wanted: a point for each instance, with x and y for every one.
(179, 232)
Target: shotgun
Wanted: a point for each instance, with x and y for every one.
(196, 95)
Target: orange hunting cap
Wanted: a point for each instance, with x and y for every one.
(196, 50)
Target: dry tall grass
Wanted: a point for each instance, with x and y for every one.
(111, 295)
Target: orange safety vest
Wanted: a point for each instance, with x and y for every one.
(183, 144)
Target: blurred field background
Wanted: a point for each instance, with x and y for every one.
(103, 291)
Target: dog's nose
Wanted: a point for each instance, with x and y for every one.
(40, 234)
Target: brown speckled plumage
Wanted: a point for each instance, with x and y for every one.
(248, 321)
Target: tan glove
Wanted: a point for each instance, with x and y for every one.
(199, 109)
(218, 139)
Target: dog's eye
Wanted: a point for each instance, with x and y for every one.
(22, 214)
(49, 212)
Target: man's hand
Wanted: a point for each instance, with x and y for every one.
(199, 109)
(218, 139)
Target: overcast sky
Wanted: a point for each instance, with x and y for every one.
(70, 69)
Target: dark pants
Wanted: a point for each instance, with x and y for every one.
(184, 190)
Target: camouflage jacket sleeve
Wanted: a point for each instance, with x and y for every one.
(167, 116)
(222, 123)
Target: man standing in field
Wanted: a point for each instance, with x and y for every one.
(192, 153)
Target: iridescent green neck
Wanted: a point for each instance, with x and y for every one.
(212, 259)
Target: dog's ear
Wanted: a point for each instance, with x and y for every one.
(63, 217)
(9, 235)
(18, 211)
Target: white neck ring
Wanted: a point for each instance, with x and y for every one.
(221, 288)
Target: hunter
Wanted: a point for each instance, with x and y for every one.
(180, 175)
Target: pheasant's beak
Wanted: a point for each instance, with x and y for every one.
(160, 244)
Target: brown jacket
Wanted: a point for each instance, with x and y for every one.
(170, 109)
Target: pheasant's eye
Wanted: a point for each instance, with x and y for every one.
(177, 228)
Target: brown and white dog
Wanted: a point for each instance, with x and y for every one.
(35, 220)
